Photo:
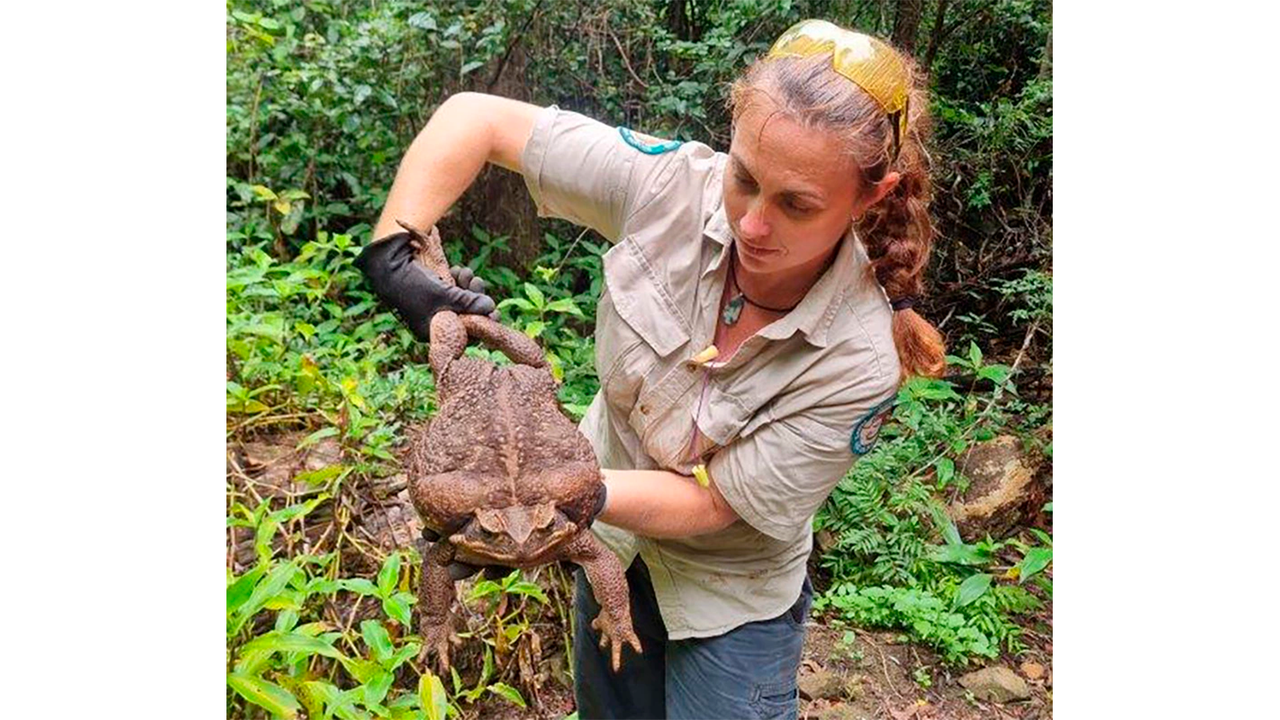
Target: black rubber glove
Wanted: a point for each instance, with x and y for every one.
(414, 291)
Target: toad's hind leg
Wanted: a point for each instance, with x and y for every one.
(516, 345)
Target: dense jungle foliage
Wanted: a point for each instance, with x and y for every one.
(322, 99)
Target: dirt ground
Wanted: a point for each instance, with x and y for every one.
(846, 674)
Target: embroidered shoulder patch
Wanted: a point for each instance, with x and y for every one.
(648, 144)
(866, 429)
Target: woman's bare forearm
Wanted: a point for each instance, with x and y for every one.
(661, 504)
(465, 132)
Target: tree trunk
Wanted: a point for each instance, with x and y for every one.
(1046, 60)
(935, 35)
(905, 24)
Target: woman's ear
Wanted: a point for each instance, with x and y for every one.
(876, 193)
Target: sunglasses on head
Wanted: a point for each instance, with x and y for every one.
(870, 63)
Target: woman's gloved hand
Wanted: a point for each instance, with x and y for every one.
(414, 291)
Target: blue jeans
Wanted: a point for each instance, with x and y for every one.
(748, 672)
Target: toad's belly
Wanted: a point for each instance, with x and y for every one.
(474, 556)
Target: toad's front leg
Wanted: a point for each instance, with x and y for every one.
(609, 583)
(435, 600)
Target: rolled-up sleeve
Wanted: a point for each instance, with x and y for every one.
(776, 478)
(581, 170)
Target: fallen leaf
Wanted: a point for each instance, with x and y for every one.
(1032, 670)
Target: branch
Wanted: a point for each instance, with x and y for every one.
(502, 64)
(627, 64)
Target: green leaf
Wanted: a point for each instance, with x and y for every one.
(1034, 561)
(322, 475)
(317, 436)
(516, 302)
(431, 694)
(945, 525)
(409, 650)
(528, 588)
(508, 692)
(292, 642)
(376, 688)
(975, 355)
(262, 693)
(238, 591)
(271, 585)
(360, 586)
(474, 64)
(972, 588)
(264, 193)
(397, 608)
(960, 554)
(998, 374)
(360, 669)
(298, 510)
(1048, 507)
(534, 329)
(389, 575)
(565, 305)
(422, 21)
(946, 471)
(377, 638)
(316, 694)
(484, 588)
(534, 294)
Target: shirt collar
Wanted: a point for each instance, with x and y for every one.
(815, 313)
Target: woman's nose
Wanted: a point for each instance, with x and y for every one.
(753, 224)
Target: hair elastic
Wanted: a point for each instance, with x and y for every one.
(903, 303)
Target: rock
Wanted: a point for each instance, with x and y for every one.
(997, 683)
(1001, 489)
(842, 711)
(1033, 670)
(820, 684)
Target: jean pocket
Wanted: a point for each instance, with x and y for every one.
(776, 701)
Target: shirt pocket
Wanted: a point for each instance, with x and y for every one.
(642, 300)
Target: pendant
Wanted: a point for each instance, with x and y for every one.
(732, 310)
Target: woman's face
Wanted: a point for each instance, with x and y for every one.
(789, 192)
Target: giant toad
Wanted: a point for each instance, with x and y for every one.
(501, 475)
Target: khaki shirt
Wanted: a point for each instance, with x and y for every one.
(774, 423)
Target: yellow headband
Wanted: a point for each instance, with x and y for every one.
(869, 63)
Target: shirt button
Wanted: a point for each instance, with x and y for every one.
(644, 409)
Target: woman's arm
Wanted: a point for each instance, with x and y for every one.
(466, 131)
(661, 504)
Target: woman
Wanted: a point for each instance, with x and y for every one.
(755, 324)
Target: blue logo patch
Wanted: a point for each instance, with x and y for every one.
(866, 429)
(646, 144)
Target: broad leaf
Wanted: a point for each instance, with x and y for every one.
(238, 591)
(262, 693)
(376, 689)
(974, 587)
(397, 608)
(389, 575)
(535, 295)
(361, 586)
(273, 584)
(1034, 561)
(292, 642)
(946, 471)
(431, 694)
(377, 638)
(508, 692)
